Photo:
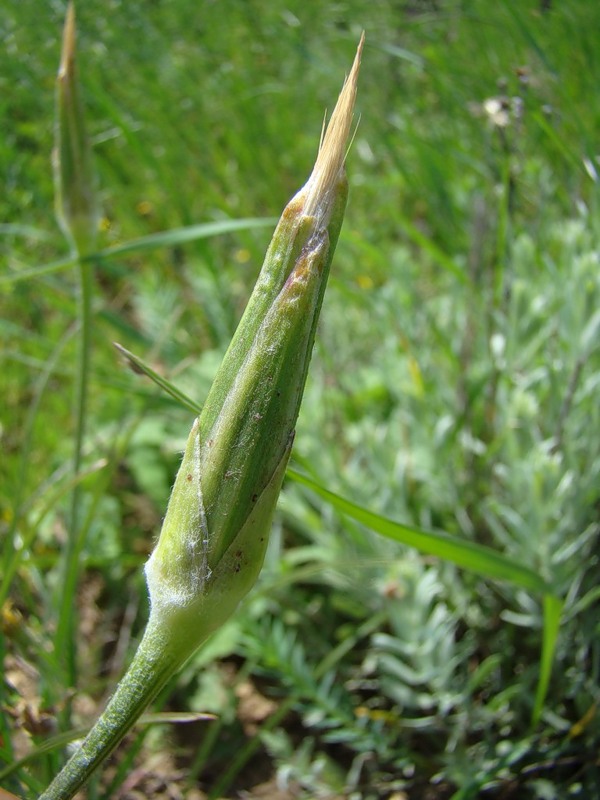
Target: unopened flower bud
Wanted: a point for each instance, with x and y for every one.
(216, 530)
(75, 183)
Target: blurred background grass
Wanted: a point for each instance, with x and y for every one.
(454, 386)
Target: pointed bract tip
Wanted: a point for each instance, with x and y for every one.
(332, 152)
(68, 43)
(75, 182)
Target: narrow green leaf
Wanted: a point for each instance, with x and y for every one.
(62, 739)
(404, 54)
(38, 272)
(54, 743)
(190, 233)
(175, 717)
(142, 368)
(168, 238)
(527, 31)
(471, 556)
(563, 145)
(553, 607)
(468, 555)
(26, 231)
(436, 253)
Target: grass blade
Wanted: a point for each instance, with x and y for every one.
(190, 233)
(38, 272)
(471, 556)
(553, 607)
(142, 368)
(435, 252)
(468, 555)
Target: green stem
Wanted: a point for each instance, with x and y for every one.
(65, 634)
(155, 662)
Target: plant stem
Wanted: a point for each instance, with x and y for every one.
(65, 634)
(154, 663)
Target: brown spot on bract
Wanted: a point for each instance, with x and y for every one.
(293, 208)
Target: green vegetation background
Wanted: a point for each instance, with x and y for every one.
(454, 387)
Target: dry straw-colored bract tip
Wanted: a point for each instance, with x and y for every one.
(332, 152)
(75, 181)
(67, 56)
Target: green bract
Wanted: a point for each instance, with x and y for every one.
(216, 529)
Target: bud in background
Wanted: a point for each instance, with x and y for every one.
(75, 184)
(77, 213)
